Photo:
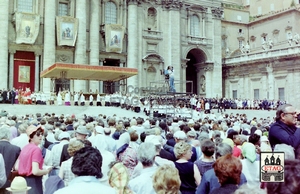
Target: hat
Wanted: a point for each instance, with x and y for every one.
(64, 135)
(152, 139)
(179, 135)
(191, 134)
(18, 184)
(33, 128)
(228, 141)
(82, 130)
(99, 129)
(249, 152)
(107, 130)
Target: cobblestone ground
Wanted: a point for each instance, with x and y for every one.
(79, 111)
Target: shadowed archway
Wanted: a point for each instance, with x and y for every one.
(196, 57)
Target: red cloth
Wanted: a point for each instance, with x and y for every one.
(30, 153)
(236, 151)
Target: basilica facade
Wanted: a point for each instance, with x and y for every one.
(233, 49)
(149, 35)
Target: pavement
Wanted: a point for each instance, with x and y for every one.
(19, 109)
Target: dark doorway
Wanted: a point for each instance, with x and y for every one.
(111, 87)
(62, 85)
(196, 56)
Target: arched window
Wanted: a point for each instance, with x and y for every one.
(195, 25)
(110, 13)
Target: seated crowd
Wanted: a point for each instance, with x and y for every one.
(100, 154)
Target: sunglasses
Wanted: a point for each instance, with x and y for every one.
(39, 133)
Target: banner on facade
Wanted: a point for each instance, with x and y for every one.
(114, 35)
(27, 28)
(66, 31)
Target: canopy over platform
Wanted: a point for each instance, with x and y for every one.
(88, 72)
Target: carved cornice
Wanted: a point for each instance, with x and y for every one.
(133, 2)
(217, 12)
(172, 4)
(197, 8)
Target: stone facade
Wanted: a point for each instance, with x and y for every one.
(260, 49)
(158, 33)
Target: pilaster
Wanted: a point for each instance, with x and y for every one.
(11, 68)
(37, 71)
(4, 19)
(49, 42)
(94, 40)
(132, 60)
(80, 49)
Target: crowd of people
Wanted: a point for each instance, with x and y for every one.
(47, 153)
(19, 96)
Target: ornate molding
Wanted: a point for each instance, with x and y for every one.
(255, 79)
(133, 2)
(217, 12)
(197, 8)
(172, 4)
(63, 58)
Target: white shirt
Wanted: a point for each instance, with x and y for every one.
(143, 183)
(56, 153)
(20, 141)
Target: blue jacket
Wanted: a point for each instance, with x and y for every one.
(210, 181)
(281, 133)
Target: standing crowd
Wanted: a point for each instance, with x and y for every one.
(59, 154)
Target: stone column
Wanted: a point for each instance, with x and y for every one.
(37, 72)
(203, 26)
(175, 49)
(11, 68)
(49, 42)
(4, 16)
(183, 75)
(80, 49)
(101, 82)
(209, 81)
(94, 40)
(217, 57)
(270, 78)
(132, 60)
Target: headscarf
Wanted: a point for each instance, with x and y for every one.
(248, 151)
(118, 179)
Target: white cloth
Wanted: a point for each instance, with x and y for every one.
(59, 99)
(67, 97)
(143, 183)
(86, 184)
(20, 141)
(251, 172)
(56, 153)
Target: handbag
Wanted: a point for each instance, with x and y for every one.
(13, 174)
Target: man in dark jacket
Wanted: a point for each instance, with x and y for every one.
(284, 130)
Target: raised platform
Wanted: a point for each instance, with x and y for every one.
(88, 72)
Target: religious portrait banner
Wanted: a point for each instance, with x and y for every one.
(114, 35)
(24, 74)
(66, 31)
(27, 28)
